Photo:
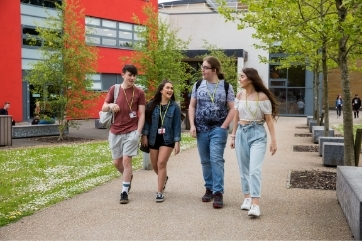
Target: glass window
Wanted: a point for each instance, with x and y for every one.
(296, 77)
(277, 83)
(276, 73)
(92, 21)
(125, 26)
(295, 101)
(93, 40)
(124, 34)
(109, 24)
(107, 41)
(280, 94)
(105, 34)
(126, 44)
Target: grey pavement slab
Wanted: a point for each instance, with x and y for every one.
(287, 214)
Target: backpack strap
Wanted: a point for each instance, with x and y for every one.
(198, 83)
(116, 92)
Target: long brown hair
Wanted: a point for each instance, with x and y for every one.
(215, 64)
(156, 100)
(258, 84)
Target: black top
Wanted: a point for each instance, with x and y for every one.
(4, 111)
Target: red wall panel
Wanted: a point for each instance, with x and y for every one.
(10, 59)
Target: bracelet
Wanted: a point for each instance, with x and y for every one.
(232, 136)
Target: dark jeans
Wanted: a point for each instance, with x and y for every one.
(339, 110)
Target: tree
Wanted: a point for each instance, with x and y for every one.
(159, 54)
(63, 75)
(349, 48)
(299, 24)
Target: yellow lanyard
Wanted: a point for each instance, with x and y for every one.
(164, 115)
(212, 97)
(246, 103)
(129, 105)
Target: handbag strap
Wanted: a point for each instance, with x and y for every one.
(115, 96)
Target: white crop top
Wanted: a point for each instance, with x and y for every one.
(247, 109)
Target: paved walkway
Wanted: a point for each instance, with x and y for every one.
(287, 214)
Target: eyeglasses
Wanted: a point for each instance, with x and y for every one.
(205, 67)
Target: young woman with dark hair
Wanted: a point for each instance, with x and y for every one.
(162, 132)
(254, 106)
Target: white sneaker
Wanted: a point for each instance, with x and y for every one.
(254, 211)
(160, 197)
(246, 204)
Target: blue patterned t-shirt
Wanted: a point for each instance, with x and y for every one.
(209, 115)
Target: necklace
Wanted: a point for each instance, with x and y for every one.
(253, 114)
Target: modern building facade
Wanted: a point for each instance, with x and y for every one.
(200, 21)
(113, 33)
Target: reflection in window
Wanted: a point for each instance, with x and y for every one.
(110, 33)
(280, 94)
(277, 73)
(277, 83)
(106, 41)
(296, 77)
(43, 3)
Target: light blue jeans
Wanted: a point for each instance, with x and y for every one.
(211, 146)
(250, 147)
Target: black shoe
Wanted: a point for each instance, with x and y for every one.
(208, 196)
(164, 185)
(124, 198)
(218, 200)
(130, 182)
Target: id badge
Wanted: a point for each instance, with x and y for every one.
(133, 114)
(161, 130)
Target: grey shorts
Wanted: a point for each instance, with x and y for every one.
(124, 144)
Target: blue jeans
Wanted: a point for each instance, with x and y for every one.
(250, 146)
(211, 146)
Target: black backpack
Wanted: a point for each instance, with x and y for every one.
(226, 87)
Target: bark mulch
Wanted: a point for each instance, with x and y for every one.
(313, 179)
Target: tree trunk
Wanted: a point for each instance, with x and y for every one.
(325, 90)
(346, 89)
(316, 96)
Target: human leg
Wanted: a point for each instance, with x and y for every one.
(243, 157)
(203, 146)
(163, 157)
(218, 138)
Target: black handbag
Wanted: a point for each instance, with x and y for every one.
(145, 149)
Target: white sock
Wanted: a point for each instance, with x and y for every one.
(125, 186)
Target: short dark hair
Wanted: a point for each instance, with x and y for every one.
(130, 68)
(6, 103)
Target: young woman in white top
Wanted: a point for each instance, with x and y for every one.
(254, 105)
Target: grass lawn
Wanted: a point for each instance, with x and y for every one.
(37, 177)
(339, 128)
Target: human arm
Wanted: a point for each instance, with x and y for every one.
(235, 126)
(108, 104)
(230, 115)
(141, 118)
(270, 124)
(192, 109)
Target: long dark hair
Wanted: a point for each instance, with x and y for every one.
(258, 84)
(156, 100)
(215, 64)
(338, 97)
